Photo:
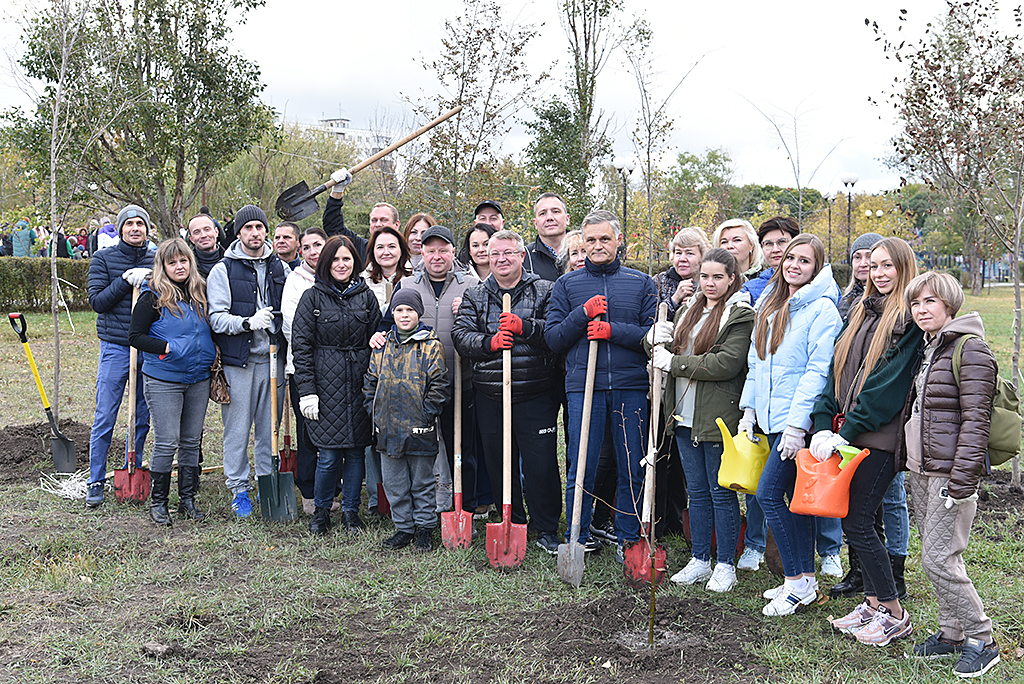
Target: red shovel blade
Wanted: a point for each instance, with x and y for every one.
(506, 541)
(457, 527)
(383, 505)
(289, 462)
(637, 563)
(131, 486)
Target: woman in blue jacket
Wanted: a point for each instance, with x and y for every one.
(794, 335)
(171, 329)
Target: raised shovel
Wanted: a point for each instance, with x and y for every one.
(63, 448)
(643, 560)
(570, 556)
(131, 483)
(457, 525)
(289, 462)
(298, 201)
(277, 490)
(506, 542)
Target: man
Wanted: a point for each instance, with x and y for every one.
(203, 234)
(382, 214)
(23, 238)
(113, 274)
(489, 212)
(244, 292)
(774, 234)
(481, 331)
(615, 305)
(550, 218)
(286, 244)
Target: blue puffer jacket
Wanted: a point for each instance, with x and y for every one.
(110, 295)
(192, 351)
(755, 286)
(632, 307)
(783, 387)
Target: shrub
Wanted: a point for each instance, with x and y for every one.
(25, 283)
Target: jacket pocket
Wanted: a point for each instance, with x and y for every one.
(422, 441)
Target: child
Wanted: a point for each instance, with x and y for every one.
(405, 388)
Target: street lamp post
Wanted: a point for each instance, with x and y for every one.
(625, 167)
(830, 199)
(849, 180)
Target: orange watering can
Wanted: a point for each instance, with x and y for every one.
(742, 460)
(822, 488)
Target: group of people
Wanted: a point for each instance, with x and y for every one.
(374, 329)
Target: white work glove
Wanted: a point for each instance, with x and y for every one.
(341, 178)
(661, 358)
(309, 407)
(262, 319)
(660, 333)
(792, 441)
(950, 501)
(746, 423)
(824, 443)
(136, 277)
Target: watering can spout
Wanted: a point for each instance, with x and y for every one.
(728, 445)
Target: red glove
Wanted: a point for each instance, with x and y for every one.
(595, 306)
(599, 330)
(501, 340)
(511, 323)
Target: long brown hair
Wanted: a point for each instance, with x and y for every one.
(777, 301)
(709, 332)
(168, 293)
(895, 310)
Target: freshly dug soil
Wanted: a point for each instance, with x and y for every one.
(25, 449)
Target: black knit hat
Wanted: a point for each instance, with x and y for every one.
(408, 298)
(250, 213)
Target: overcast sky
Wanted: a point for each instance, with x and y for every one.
(817, 59)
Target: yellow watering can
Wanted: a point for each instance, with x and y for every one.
(742, 460)
(822, 488)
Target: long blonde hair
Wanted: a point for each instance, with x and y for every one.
(895, 310)
(168, 293)
(777, 301)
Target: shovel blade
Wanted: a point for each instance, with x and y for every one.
(63, 449)
(383, 505)
(456, 529)
(296, 203)
(277, 497)
(570, 563)
(131, 486)
(637, 564)
(506, 543)
(289, 462)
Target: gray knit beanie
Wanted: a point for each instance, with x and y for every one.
(408, 298)
(865, 241)
(250, 213)
(133, 211)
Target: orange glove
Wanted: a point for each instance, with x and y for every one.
(599, 330)
(501, 340)
(511, 323)
(595, 306)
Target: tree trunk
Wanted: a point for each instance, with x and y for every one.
(975, 268)
(1015, 359)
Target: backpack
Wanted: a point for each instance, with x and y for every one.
(1005, 431)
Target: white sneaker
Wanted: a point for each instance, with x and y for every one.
(750, 560)
(786, 601)
(722, 579)
(832, 565)
(770, 594)
(695, 571)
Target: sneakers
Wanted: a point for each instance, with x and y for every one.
(884, 628)
(399, 540)
(853, 621)
(770, 594)
(976, 659)
(787, 601)
(935, 646)
(592, 545)
(832, 565)
(605, 531)
(424, 537)
(722, 579)
(750, 560)
(548, 542)
(94, 496)
(483, 512)
(242, 505)
(620, 554)
(695, 571)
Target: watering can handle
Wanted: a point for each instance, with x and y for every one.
(17, 320)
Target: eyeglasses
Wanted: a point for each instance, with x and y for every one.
(768, 245)
(507, 254)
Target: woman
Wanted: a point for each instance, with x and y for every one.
(860, 266)
(797, 324)
(572, 256)
(681, 280)
(862, 404)
(740, 238)
(474, 250)
(947, 445)
(171, 329)
(388, 256)
(331, 334)
(415, 227)
(707, 367)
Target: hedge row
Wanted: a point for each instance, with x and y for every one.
(25, 283)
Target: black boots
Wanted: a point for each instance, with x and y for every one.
(352, 521)
(160, 488)
(188, 487)
(897, 563)
(321, 522)
(424, 539)
(853, 583)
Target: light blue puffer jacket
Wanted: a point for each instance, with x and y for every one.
(782, 388)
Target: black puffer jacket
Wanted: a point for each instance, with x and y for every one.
(533, 364)
(110, 295)
(331, 349)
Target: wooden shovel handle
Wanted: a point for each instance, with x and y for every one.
(584, 445)
(506, 413)
(457, 436)
(652, 443)
(133, 363)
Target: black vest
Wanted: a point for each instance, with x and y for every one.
(234, 349)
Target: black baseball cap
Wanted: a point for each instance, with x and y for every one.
(438, 232)
(487, 203)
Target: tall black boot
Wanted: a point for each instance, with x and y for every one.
(188, 487)
(160, 489)
(853, 583)
(897, 563)
(321, 522)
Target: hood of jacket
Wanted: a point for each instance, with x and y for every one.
(235, 251)
(821, 286)
(968, 324)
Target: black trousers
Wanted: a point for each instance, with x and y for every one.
(305, 457)
(469, 443)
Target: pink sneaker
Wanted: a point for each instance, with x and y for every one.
(883, 628)
(855, 620)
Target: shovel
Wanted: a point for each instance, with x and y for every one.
(63, 448)
(277, 490)
(457, 525)
(570, 556)
(298, 201)
(289, 462)
(506, 542)
(643, 560)
(131, 483)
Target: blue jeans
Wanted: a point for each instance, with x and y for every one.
(794, 534)
(179, 412)
(111, 379)
(896, 516)
(756, 536)
(627, 412)
(335, 464)
(713, 508)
